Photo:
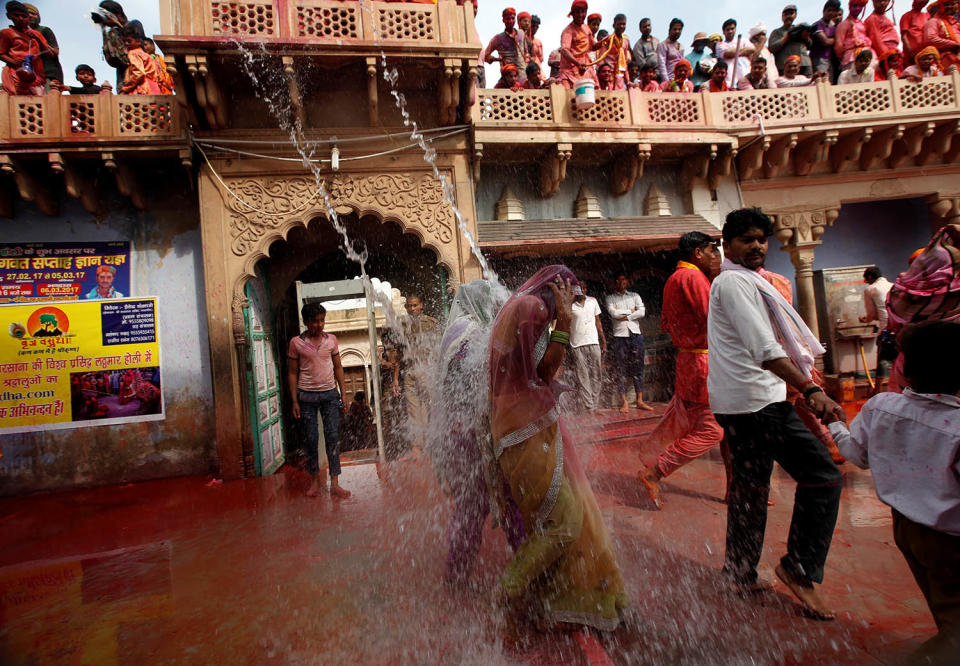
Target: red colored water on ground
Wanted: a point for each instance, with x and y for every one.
(253, 572)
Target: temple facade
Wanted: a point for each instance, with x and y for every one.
(289, 151)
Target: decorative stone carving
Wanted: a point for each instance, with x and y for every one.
(265, 204)
(586, 205)
(801, 228)
(656, 202)
(553, 168)
(509, 207)
(239, 330)
(627, 167)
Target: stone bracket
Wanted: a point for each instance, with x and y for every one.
(127, 182)
(721, 165)
(695, 166)
(553, 169)
(477, 158)
(911, 143)
(293, 89)
(880, 145)
(207, 91)
(627, 167)
(808, 151)
(938, 143)
(750, 156)
(29, 186)
(81, 186)
(373, 102)
(849, 147)
(778, 156)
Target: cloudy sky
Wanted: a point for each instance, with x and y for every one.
(80, 38)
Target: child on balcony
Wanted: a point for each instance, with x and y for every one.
(88, 82)
(164, 79)
(927, 63)
(20, 49)
(140, 77)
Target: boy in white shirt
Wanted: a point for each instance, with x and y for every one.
(911, 440)
(587, 342)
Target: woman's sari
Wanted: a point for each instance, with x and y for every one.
(567, 563)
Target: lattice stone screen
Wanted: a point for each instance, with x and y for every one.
(82, 118)
(779, 105)
(673, 108)
(338, 21)
(145, 117)
(862, 100)
(928, 94)
(242, 18)
(608, 109)
(530, 106)
(406, 23)
(29, 118)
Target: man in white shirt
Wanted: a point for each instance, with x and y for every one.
(626, 309)
(911, 441)
(736, 60)
(875, 303)
(587, 342)
(749, 371)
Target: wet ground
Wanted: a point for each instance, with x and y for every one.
(253, 572)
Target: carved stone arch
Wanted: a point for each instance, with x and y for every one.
(345, 353)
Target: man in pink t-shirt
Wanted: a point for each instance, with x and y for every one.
(314, 373)
(576, 47)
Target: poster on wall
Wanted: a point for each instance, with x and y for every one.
(79, 363)
(37, 272)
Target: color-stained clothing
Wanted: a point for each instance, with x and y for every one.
(883, 34)
(669, 53)
(617, 50)
(944, 34)
(911, 30)
(653, 86)
(316, 361)
(741, 63)
(164, 80)
(142, 71)
(914, 71)
(677, 86)
(851, 35)
(19, 45)
(850, 75)
(578, 40)
(686, 298)
(645, 51)
(513, 50)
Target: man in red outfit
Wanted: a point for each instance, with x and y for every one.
(20, 49)
(688, 423)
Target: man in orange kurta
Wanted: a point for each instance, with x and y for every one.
(576, 47)
(943, 33)
(688, 423)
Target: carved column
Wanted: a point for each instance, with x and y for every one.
(800, 233)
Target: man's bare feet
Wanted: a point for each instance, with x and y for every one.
(804, 591)
(337, 491)
(625, 407)
(653, 489)
(759, 586)
(644, 406)
(313, 490)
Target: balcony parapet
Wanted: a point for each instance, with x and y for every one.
(318, 26)
(74, 120)
(733, 112)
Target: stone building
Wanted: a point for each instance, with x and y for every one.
(290, 132)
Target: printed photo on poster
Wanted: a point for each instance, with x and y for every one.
(79, 363)
(37, 272)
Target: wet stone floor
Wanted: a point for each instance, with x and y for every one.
(253, 572)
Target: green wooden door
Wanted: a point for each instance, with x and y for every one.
(263, 378)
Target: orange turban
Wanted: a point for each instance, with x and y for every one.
(594, 16)
(106, 269)
(930, 50)
(523, 15)
(683, 61)
(576, 4)
(509, 11)
(793, 58)
(504, 69)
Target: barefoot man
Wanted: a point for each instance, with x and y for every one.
(626, 309)
(314, 373)
(750, 369)
(688, 425)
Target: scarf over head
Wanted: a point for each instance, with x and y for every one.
(929, 50)
(798, 341)
(521, 403)
(930, 288)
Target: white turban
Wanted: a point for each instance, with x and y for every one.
(757, 29)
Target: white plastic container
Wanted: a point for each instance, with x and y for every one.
(585, 90)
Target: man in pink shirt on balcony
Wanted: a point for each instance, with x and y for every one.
(881, 29)
(851, 35)
(511, 45)
(911, 29)
(942, 33)
(576, 45)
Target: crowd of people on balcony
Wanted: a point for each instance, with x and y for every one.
(838, 50)
(32, 56)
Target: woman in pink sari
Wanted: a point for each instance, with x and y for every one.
(566, 567)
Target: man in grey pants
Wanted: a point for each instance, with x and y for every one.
(586, 344)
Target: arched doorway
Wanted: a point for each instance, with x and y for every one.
(313, 255)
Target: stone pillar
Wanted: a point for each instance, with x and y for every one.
(800, 233)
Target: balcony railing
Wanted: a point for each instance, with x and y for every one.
(66, 119)
(635, 110)
(321, 22)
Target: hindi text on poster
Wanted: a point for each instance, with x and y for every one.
(75, 363)
(32, 272)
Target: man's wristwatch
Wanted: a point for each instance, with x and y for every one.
(810, 391)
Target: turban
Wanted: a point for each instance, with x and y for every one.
(509, 11)
(106, 269)
(683, 61)
(31, 8)
(506, 69)
(930, 50)
(577, 4)
(715, 37)
(594, 16)
(793, 58)
(757, 29)
(523, 15)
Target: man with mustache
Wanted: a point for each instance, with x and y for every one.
(758, 344)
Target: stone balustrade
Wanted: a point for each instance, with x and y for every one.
(413, 26)
(73, 119)
(554, 108)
